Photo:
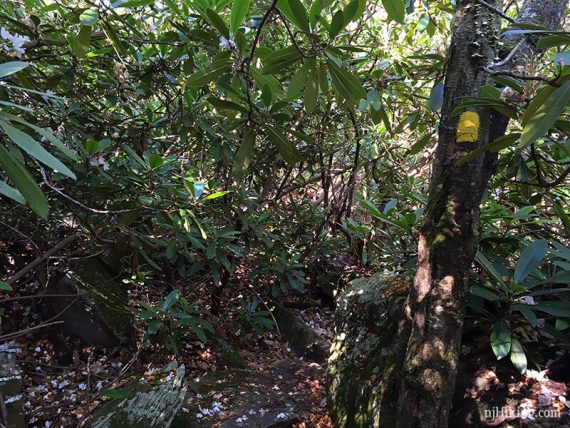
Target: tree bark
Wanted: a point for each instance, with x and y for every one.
(435, 308)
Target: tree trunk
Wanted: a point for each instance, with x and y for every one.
(449, 237)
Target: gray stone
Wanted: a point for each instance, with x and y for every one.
(363, 352)
(11, 406)
(99, 315)
(251, 394)
(302, 338)
(149, 405)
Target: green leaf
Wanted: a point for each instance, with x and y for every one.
(530, 258)
(216, 195)
(562, 324)
(280, 60)
(510, 82)
(558, 309)
(34, 149)
(284, 146)
(518, 356)
(501, 339)
(564, 217)
(171, 249)
(239, 11)
(116, 394)
(496, 146)
(485, 293)
(92, 146)
(11, 193)
(218, 23)
(207, 74)
(225, 104)
(56, 142)
(489, 268)
(80, 42)
(243, 156)
(420, 144)
(436, 97)
(297, 82)
(350, 12)
(8, 68)
(155, 161)
(89, 17)
(395, 9)
(311, 86)
(337, 24)
(524, 212)
(5, 286)
(171, 299)
(347, 85)
(301, 19)
(546, 114)
(315, 12)
(24, 183)
(553, 41)
(527, 312)
(112, 35)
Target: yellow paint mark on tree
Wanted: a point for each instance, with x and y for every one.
(468, 127)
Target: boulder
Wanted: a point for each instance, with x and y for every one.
(302, 338)
(148, 404)
(364, 351)
(91, 304)
(250, 397)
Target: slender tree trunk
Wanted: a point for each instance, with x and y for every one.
(449, 237)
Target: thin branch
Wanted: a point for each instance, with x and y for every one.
(258, 34)
(76, 202)
(61, 244)
(509, 56)
(292, 37)
(551, 82)
(497, 11)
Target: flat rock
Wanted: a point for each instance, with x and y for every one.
(249, 399)
(149, 404)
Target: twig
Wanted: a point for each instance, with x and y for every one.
(497, 11)
(82, 205)
(35, 296)
(258, 34)
(508, 57)
(551, 82)
(27, 330)
(292, 37)
(27, 238)
(61, 244)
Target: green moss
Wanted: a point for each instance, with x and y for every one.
(106, 296)
(362, 353)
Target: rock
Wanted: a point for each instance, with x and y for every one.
(251, 398)
(230, 356)
(302, 338)
(331, 273)
(148, 405)
(363, 353)
(98, 315)
(11, 406)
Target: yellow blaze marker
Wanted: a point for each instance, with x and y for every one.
(468, 127)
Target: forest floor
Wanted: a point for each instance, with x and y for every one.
(243, 379)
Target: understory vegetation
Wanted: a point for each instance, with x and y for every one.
(187, 185)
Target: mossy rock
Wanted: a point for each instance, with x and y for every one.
(106, 296)
(364, 351)
(303, 339)
(147, 403)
